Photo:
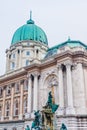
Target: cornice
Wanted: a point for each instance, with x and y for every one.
(78, 56)
(13, 76)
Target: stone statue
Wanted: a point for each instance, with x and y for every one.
(37, 121)
(27, 128)
(63, 127)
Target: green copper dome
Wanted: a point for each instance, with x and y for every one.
(29, 31)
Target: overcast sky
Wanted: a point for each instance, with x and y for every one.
(58, 18)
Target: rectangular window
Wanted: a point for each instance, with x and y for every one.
(13, 65)
(26, 85)
(17, 89)
(13, 55)
(27, 62)
(1, 91)
(28, 53)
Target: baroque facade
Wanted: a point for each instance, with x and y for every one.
(33, 69)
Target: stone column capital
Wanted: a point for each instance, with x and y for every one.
(68, 64)
(21, 81)
(36, 74)
(59, 66)
(28, 76)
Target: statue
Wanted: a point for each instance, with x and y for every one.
(50, 103)
(48, 113)
(63, 127)
(27, 128)
(37, 121)
(44, 121)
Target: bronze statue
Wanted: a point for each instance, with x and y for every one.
(48, 113)
(37, 120)
(50, 103)
(27, 128)
(63, 127)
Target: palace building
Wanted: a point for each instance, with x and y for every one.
(33, 69)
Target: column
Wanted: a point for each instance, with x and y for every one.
(3, 108)
(12, 104)
(61, 92)
(21, 99)
(70, 109)
(20, 59)
(81, 91)
(29, 94)
(35, 105)
(7, 63)
(16, 59)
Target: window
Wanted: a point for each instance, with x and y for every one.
(16, 108)
(1, 91)
(26, 85)
(8, 90)
(13, 65)
(27, 62)
(17, 89)
(25, 106)
(7, 109)
(28, 43)
(27, 53)
(13, 55)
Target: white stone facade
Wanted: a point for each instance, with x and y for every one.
(29, 77)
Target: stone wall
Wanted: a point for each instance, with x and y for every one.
(10, 125)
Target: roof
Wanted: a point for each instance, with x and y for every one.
(71, 43)
(29, 31)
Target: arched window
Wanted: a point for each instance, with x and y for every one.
(16, 108)
(27, 53)
(25, 106)
(7, 109)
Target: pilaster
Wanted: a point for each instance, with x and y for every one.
(12, 96)
(69, 109)
(21, 99)
(35, 103)
(61, 92)
(3, 108)
(29, 94)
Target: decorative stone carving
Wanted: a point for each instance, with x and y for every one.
(52, 81)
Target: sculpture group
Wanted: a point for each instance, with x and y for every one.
(44, 119)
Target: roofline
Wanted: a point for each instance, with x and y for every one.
(64, 43)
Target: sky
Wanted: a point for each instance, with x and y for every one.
(58, 18)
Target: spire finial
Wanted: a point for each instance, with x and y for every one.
(30, 14)
(69, 38)
(30, 21)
